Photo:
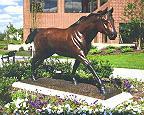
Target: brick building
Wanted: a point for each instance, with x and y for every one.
(63, 13)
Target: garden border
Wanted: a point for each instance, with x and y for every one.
(108, 103)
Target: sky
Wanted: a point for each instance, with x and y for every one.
(11, 11)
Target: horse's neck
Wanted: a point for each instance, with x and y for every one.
(89, 31)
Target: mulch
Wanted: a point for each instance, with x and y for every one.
(68, 86)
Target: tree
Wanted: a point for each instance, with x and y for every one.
(134, 13)
(2, 36)
(13, 33)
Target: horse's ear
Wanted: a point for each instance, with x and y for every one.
(110, 10)
(104, 11)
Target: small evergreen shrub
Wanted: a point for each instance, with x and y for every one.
(95, 51)
(5, 83)
(58, 65)
(103, 68)
(125, 49)
(110, 49)
(18, 70)
(21, 49)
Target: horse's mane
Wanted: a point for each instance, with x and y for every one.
(84, 18)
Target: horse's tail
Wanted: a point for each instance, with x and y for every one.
(31, 37)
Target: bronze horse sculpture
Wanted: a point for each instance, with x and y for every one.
(74, 41)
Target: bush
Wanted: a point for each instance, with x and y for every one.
(95, 51)
(16, 70)
(103, 69)
(110, 49)
(56, 65)
(21, 49)
(126, 49)
(5, 83)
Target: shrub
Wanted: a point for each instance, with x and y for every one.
(95, 51)
(55, 65)
(21, 49)
(103, 69)
(109, 51)
(126, 49)
(16, 70)
(110, 47)
(52, 66)
(5, 83)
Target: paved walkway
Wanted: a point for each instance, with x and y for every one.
(129, 73)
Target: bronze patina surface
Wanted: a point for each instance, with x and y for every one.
(74, 41)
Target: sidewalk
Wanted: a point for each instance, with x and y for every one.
(129, 73)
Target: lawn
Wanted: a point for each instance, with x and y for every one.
(133, 61)
(125, 60)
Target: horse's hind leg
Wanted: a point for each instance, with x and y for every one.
(34, 64)
(83, 59)
(37, 60)
(75, 66)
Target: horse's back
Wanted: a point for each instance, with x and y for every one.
(51, 38)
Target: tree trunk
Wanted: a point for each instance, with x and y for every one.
(139, 44)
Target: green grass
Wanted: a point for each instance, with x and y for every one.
(3, 52)
(133, 61)
(10, 42)
(23, 53)
(18, 53)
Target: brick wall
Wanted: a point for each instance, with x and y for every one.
(63, 20)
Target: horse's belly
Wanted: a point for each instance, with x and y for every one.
(65, 52)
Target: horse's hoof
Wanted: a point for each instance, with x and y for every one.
(102, 90)
(33, 78)
(75, 82)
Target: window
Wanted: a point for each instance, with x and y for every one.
(81, 6)
(43, 5)
(103, 2)
(50, 6)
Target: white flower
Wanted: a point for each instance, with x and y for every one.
(49, 111)
(60, 110)
(128, 108)
(24, 104)
(102, 109)
(67, 106)
(48, 106)
(18, 102)
(7, 105)
(26, 99)
(90, 111)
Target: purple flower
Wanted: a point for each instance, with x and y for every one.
(95, 102)
(37, 103)
(127, 84)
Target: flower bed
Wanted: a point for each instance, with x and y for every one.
(33, 103)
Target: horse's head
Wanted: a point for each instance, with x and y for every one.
(107, 23)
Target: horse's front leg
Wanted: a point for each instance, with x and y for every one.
(34, 64)
(75, 66)
(33, 68)
(83, 59)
